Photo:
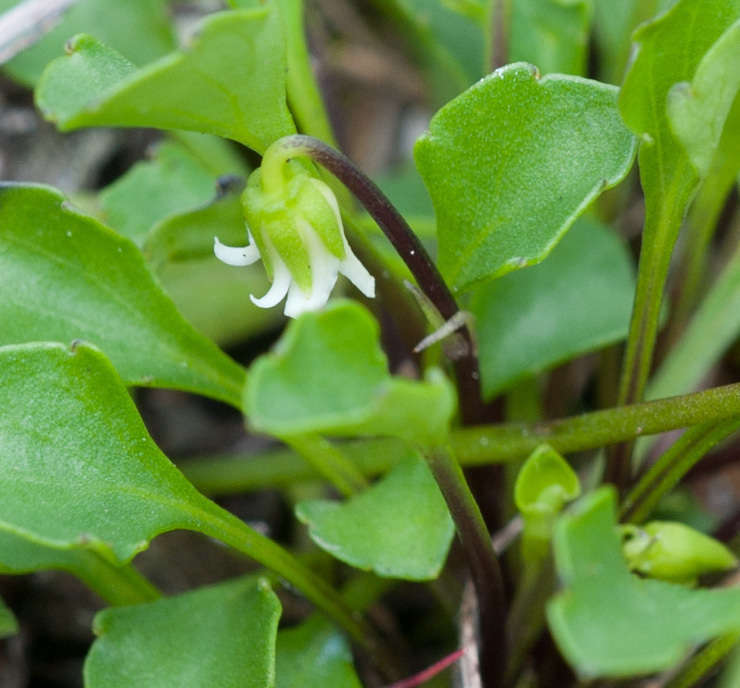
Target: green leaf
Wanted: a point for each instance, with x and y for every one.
(314, 654)
(8, 622)
(176, 180)
(328, 375)
(576, 301)
(611, 623)
(139, 29)
(512, 162)
(398, 528)
(222, 635)
(230, 81)
(65, 276)
(697, 111)
(552, 34)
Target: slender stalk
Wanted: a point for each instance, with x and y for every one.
(330, 462)
(704, 661)
(406, 243)
(498, 38)
(485, 571)
(663, 218)
(668, 470)
(481, 445)
(117, 585)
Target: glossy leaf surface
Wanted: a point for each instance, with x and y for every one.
(64, 276)
(512, 162)
(314, 654)
(552, 34)
(651, 624)
(398, 528)
(697, 111)
(139, 29)
(230, 82)
(223, 635)
(577, 300)
(329, 375)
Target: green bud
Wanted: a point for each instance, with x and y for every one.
(673, 551)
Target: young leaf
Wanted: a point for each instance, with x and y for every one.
(8, 623)
(314, 654)
(670, 49)
(230, 82)
(697, 111)
(649, 625)
(223, 635)
(139, 29)
(398, 528)
(512, 162)
(576, 301)
(552, 34)
(176, 180)
(328, 375)
(65, 276)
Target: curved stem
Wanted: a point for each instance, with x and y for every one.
(117, 585)
(704, 661)
(406, 243)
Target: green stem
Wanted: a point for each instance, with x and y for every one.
(480, 445)
(485, 571)
(668, 470)
(704, 661)
(663, 218)
(329, 462)
(223, 526)
(117, 585)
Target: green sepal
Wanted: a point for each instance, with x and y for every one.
(311, 203)
(673, 551)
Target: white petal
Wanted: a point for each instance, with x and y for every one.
(324, 268)
(355, 272)
(236, 255)
(280, 283)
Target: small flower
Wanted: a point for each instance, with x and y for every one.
(296, 229)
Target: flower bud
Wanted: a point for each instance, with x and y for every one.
(673, 551)
(296, 228)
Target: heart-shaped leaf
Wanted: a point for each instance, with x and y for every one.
(512, 162)
(398, 528)
(328, 375)
(139, 29)
(577, 300)
(64, 276)
(314, 654)
(223, 635)
(608, 622)
(230, 81)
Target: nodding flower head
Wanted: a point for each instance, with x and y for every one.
(296, 229)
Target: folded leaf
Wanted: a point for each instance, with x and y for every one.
(223, 635)
(230, 82)
(64, 276)
(512, 162)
